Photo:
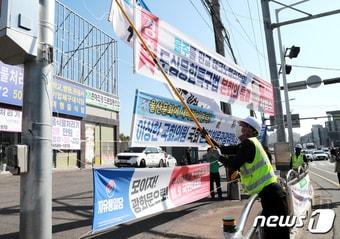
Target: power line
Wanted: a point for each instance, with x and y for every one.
(205, 21)
(230, 29)
(262, 40)
(252, 26)
(317, 67)
(244, 31)
(208, 6)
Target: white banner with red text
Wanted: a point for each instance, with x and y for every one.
(190, 66)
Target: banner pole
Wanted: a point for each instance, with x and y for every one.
(155, 60)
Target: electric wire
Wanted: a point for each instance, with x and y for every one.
(244, 31)
(266, 66)
(208, 6)
(253, 30)
(231, 33)
(209, 25)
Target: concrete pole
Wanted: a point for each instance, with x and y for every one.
(36, 184)
(281, 136)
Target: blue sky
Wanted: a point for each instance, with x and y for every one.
(319, 41)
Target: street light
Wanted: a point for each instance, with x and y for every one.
(294, 51)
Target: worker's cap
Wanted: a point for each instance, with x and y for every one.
(298, 146)
(254, 123)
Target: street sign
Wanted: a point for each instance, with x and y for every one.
(314, 81)
(295, 120)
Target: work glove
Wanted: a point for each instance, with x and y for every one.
(205, 133)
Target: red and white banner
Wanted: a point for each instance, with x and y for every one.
(190, 66)
(65, 133)
(122, 195)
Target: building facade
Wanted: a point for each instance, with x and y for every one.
(85, 123)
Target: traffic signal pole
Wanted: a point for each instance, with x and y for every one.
(281, 136)
(36, 184)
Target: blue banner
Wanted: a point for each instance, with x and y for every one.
(68, 98)
(11, 84)
(124, 194)
(111, 198)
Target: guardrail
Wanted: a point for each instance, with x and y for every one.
(237, 231)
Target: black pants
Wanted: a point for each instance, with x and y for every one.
(338, 177)
(274, 202)
(215, 177)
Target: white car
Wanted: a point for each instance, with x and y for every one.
(141, 157)
(308, 154)
(320, 155)
(170, 160)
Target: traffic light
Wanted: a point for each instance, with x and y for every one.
(294, 52)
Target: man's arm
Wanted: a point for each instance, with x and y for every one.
(242, 153)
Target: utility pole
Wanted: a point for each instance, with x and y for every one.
(214, 6)
(218, 27)
(281, 136)
(232, 189)
(36, 184)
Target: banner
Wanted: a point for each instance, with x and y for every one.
(10, 120)
(102, 101)
(68, 98)
(11, 84)
(121, 195)
(165, 122)
(302, 193)
(197, 100)
(190, 66)
(120, 25)
(65, 133)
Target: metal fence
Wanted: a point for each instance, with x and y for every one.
(84, 53)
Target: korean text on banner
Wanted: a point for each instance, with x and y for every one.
(121, 195)
(190, 66)
(167, 123)
(302, 193)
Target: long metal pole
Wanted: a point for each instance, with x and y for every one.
(173, 88)
(281, 137)
(284, 76)
(36, 184)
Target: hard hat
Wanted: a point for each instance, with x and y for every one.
(298, 146)
(253, 123)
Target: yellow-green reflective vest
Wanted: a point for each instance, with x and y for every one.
(258, 174)
(297, 161)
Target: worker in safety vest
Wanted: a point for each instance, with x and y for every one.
(298, 158)
(257, 174)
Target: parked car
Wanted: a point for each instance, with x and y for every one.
(308, 154)
(327, 151)
(320, 155)
(170, 160)
(141, 157)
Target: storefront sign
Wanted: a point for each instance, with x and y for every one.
(165, 122)
(68, 98)
(121, 195)
(10, 120)
(101, 100)
(11, 84)
(65, 133)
